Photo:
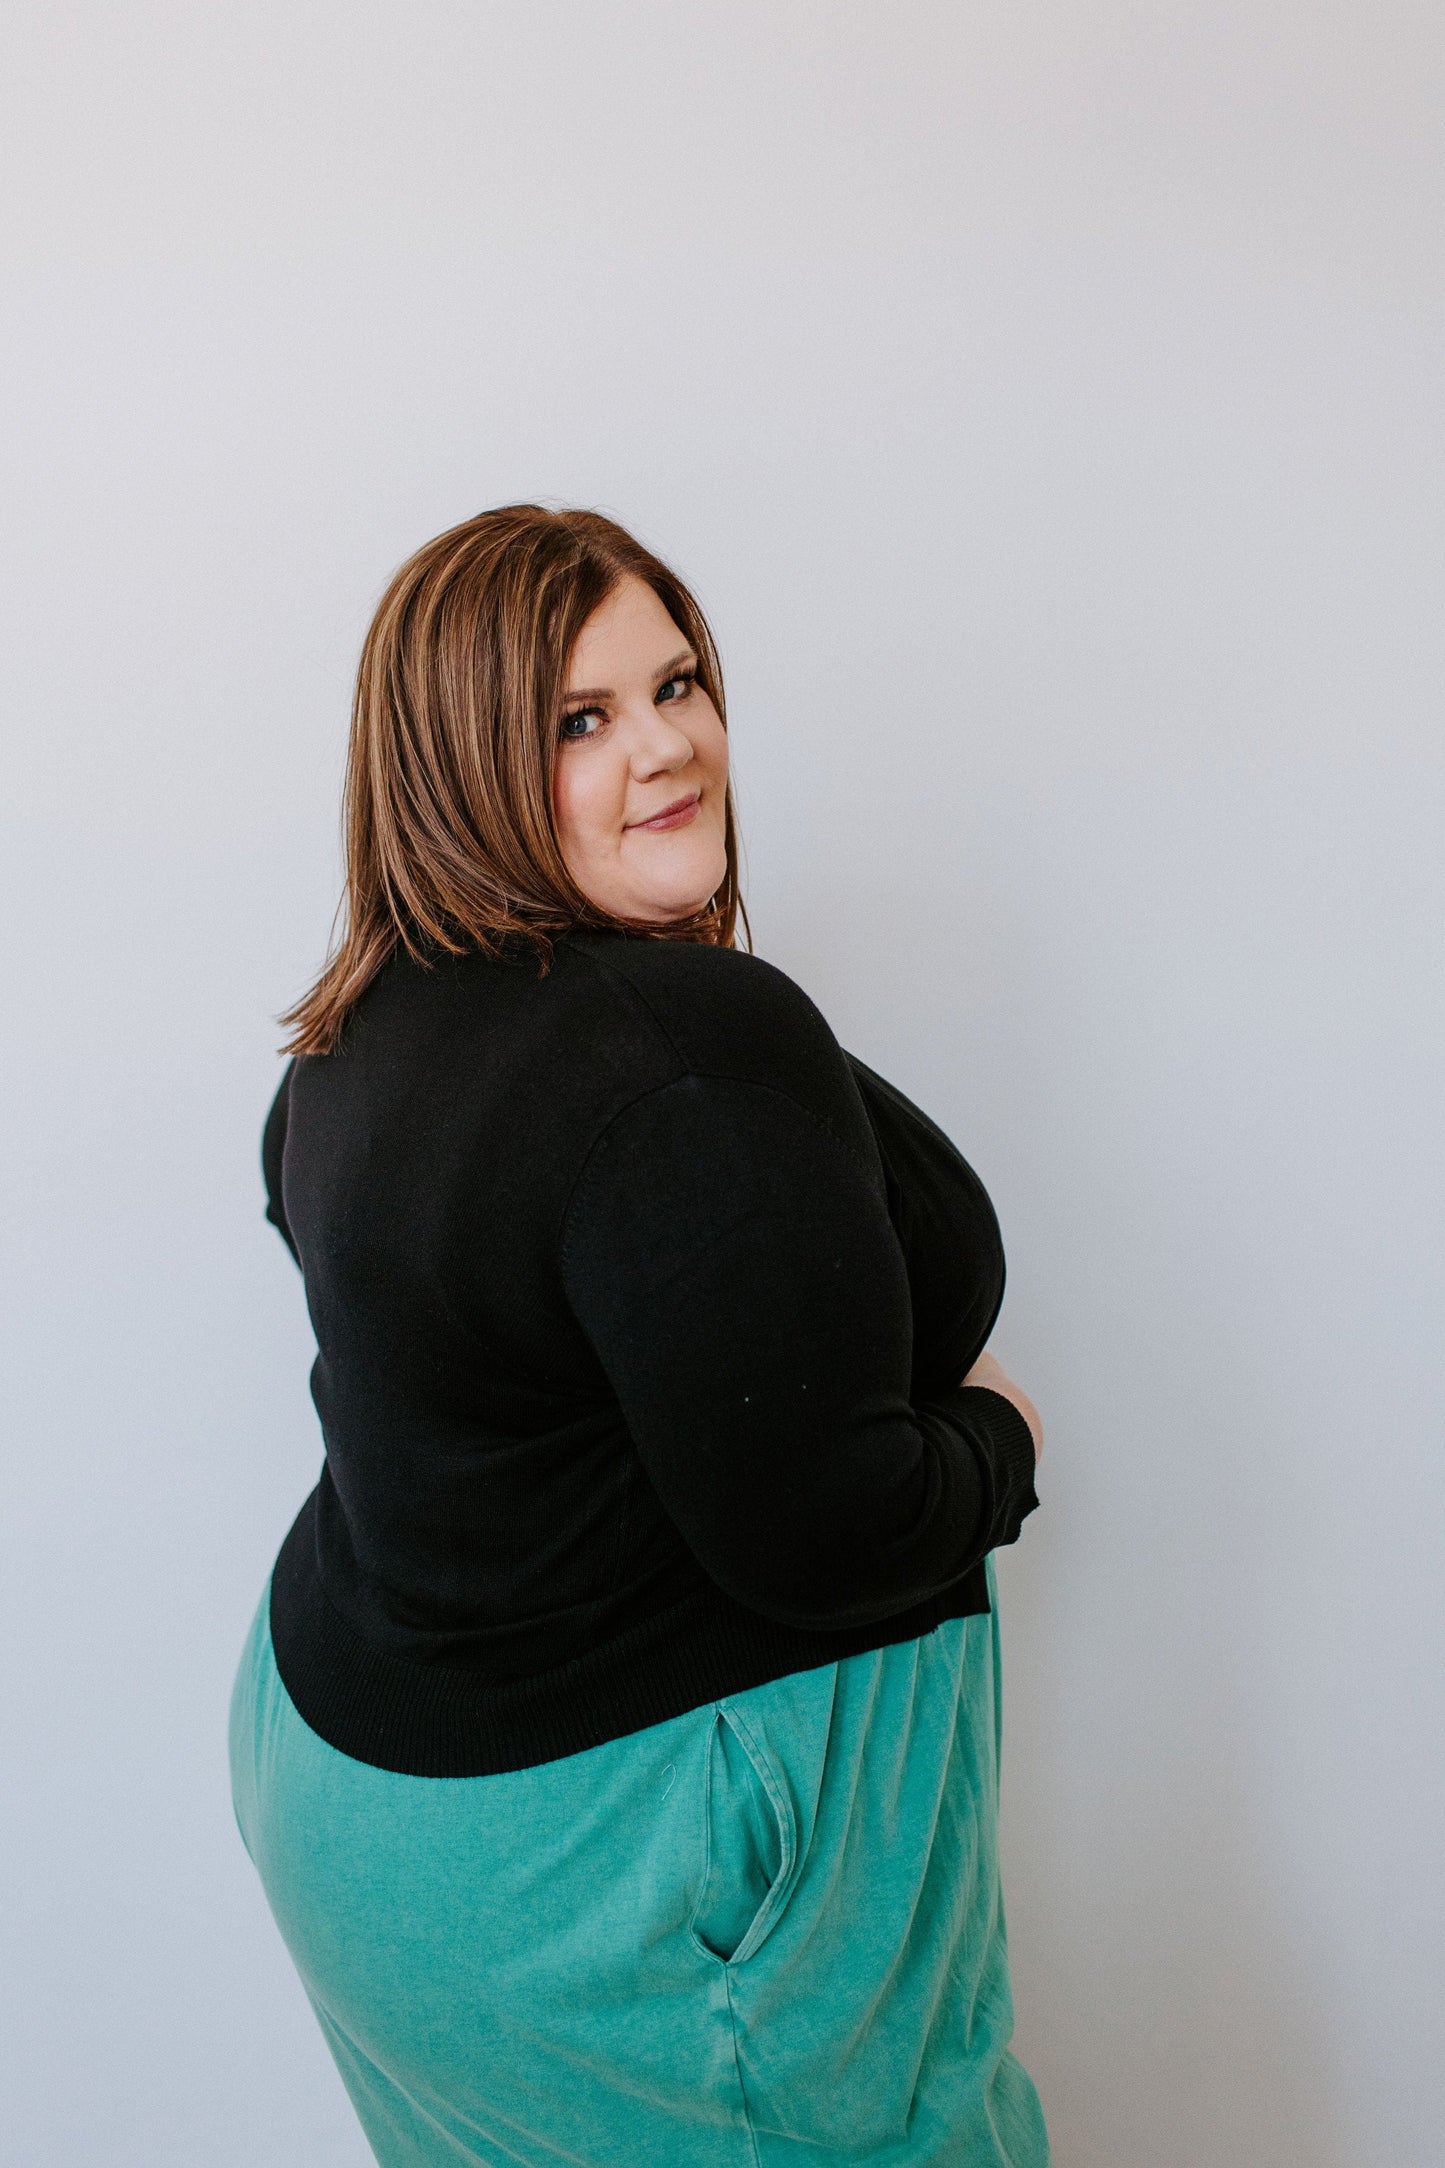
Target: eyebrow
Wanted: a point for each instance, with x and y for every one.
(605, 692)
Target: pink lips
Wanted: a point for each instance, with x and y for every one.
(675, 815)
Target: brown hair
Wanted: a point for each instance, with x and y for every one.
(450, 839)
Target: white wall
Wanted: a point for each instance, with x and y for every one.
(1047, 400)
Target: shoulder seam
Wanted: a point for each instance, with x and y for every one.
(610, 971)
(600, 963)
(776, 1091)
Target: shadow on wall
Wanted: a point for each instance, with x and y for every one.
(1164, 2011)
(1170, 2007)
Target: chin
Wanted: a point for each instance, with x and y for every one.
(661, 909)
(688, 891)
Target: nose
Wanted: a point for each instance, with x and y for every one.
(659, 746)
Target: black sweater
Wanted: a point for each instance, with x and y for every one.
(641, 1311)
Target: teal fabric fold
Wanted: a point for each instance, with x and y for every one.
(766, 1934)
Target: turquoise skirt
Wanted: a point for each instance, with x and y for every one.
(766, 1934)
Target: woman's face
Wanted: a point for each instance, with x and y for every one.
(640, 783)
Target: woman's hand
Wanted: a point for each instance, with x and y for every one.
(990, 1373)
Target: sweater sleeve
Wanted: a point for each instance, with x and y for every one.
(273, 1148)
(736, 1270)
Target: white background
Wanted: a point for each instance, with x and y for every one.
(1046, 400)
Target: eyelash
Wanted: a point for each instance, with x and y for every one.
(686, 677)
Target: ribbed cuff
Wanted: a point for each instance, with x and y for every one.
(1004, 1448)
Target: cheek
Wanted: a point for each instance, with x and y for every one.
(584, 799)
(711, 748)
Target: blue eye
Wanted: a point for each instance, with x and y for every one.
(579, 715)
(685, 679)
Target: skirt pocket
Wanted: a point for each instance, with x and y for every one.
(750, 1844)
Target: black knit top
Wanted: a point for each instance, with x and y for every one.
(641, 1311)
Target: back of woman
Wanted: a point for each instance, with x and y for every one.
(617, 1735)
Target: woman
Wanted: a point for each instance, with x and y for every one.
(617, 1740)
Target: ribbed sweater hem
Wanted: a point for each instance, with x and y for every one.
(431, 1720)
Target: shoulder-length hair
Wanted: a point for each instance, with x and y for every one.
(450, 837)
